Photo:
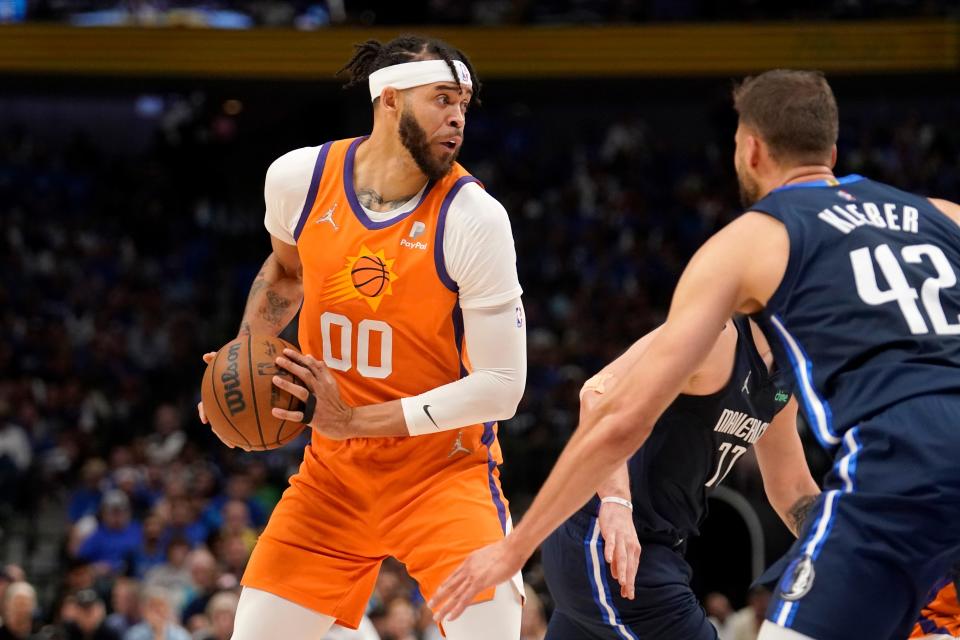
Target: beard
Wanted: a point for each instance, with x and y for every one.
(749, 189)
(414, 139)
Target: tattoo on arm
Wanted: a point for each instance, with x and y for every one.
(373, 200)
(273, 299)
(799, 512)
(275, 309)
(258, 283)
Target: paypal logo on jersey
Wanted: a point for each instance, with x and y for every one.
(415, 232)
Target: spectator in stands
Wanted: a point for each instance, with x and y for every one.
(720, 613)
(85, 500)
(265, 493)
(390, 585)
(168, 438)
(159, 622)
(8, 575)
(745, 623)
(88, 618)
(152, 551)
(400, 621)
(129, 479)
(173, 575)
(220, 612)
(184, 523)
(233, 554)
(125, 602)
(203, 575)
(116, 540)
(533, 621)
(239, 487)
(16, 456)
(18, 608)
(236, 522)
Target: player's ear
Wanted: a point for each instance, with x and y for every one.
(390, 99)
(756, 149)
(833, 157)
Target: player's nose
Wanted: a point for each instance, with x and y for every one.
(457, 117)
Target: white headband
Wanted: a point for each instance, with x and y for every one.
(416, 74)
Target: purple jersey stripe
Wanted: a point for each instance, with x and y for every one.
(487, 440)
(441, 224)
(312, 191)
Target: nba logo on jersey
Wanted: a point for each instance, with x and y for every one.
(845, 195)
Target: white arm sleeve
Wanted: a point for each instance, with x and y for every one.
(285, 191)
(478, 249)
(496, 340)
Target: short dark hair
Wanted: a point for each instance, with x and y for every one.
(793, 111)
(372, 55)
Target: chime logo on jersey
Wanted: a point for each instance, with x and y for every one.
(366, 276)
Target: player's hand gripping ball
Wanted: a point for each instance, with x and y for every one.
(238, 394)
(323, 408)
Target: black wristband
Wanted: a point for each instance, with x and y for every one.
(309, 408)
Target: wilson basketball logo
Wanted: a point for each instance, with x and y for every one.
(230, 378)
(366, 276)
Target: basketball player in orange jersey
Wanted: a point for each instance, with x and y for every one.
(406, 271)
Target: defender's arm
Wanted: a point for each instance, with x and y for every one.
(736, 270)
(789, 486)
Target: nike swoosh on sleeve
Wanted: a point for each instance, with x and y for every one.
(426, 410)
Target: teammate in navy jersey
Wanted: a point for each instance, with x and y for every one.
(659, 498)
(855, 283)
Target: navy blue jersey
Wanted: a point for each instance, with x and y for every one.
(868, 311)
(696, 442)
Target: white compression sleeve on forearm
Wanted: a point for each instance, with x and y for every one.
(496, 341)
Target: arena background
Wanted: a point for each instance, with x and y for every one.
(134, 137)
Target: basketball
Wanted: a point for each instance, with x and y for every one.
(238, 393)
(369, 275)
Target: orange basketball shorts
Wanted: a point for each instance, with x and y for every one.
(428, 501)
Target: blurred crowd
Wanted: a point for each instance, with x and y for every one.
(311, 14)
(118, 269)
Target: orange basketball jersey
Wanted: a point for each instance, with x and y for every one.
(379, 307)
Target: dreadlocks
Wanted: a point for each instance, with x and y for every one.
(373, 55)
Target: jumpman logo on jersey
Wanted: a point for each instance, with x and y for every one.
(328, 217)
(746, 382)
(458, 446)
